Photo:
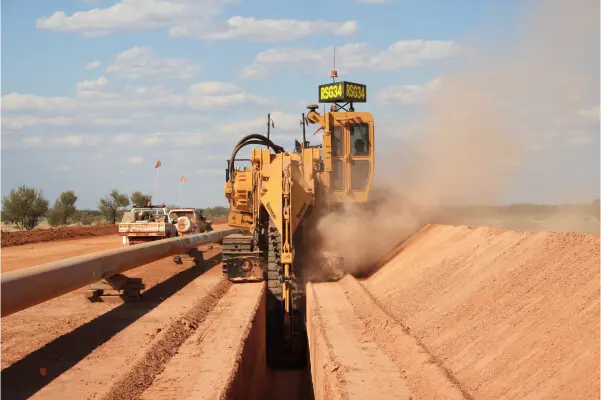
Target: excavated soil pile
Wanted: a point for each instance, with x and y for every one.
(505, 313)
(46, 235)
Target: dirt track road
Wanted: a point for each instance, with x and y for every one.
(29, 255)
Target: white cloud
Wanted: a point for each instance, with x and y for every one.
(219, 95)
(135, 160)
(123, 138)
(145, 97)
(18, 101)
(179, 139)
(402, 54)
(95, 96)
(197, 18)
(270, 30)
(62, 169)
(32, 141)
(59, 142)
(98, 97)
(580, 118)
(178, 121)
(188, 139)
(581, 137)
(118, 121)
(139, 62)
(133, 15)
(71, 140)
(86, 87)
(92, 65)
(151, 140)
(17, 122)
(407, 94)
(283, 122)
(591, 113)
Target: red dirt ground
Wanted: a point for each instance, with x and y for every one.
(19, 238)
(506, 313)
(463, 313)
(61, 233)
(454, 313)
(84, 345)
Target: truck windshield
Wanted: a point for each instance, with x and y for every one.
(154, 212)
(177, 214)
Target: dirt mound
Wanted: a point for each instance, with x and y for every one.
(61, 233)
(508, 313)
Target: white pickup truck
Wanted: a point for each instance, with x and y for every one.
(143, 224)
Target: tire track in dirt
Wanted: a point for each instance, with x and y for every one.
(225, 357)
(147, 367)
(361, 367)
(326, 372)
(426, 375)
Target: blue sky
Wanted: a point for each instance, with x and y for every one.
(94, 92)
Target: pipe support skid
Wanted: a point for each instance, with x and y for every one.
(28, 287)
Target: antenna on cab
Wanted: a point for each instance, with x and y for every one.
(334, 73)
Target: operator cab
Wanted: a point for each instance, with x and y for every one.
(348, 141)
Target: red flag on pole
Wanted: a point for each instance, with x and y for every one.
(183, 180)
(158, 164)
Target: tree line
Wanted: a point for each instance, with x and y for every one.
(26, 207)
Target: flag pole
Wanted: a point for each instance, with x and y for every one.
(179, 195)
(156, 182)
(156, 187)
(182, 180)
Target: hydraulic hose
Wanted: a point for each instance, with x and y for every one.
(253, 138)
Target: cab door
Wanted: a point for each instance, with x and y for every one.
(351, 153)
(360, 164)
(359, 155)
(339, 158)
(334, 153)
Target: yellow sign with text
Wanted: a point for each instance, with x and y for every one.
(342, 92)
(330, 92)
(354, 91)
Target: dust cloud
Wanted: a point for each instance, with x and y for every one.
(483, 121)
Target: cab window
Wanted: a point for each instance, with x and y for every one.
(337, 141)
(360, 174)
(338, 174)
(360, 145)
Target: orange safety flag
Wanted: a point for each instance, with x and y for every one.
(183, 180)
(158, 164)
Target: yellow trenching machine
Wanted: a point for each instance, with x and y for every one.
(277, 199)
